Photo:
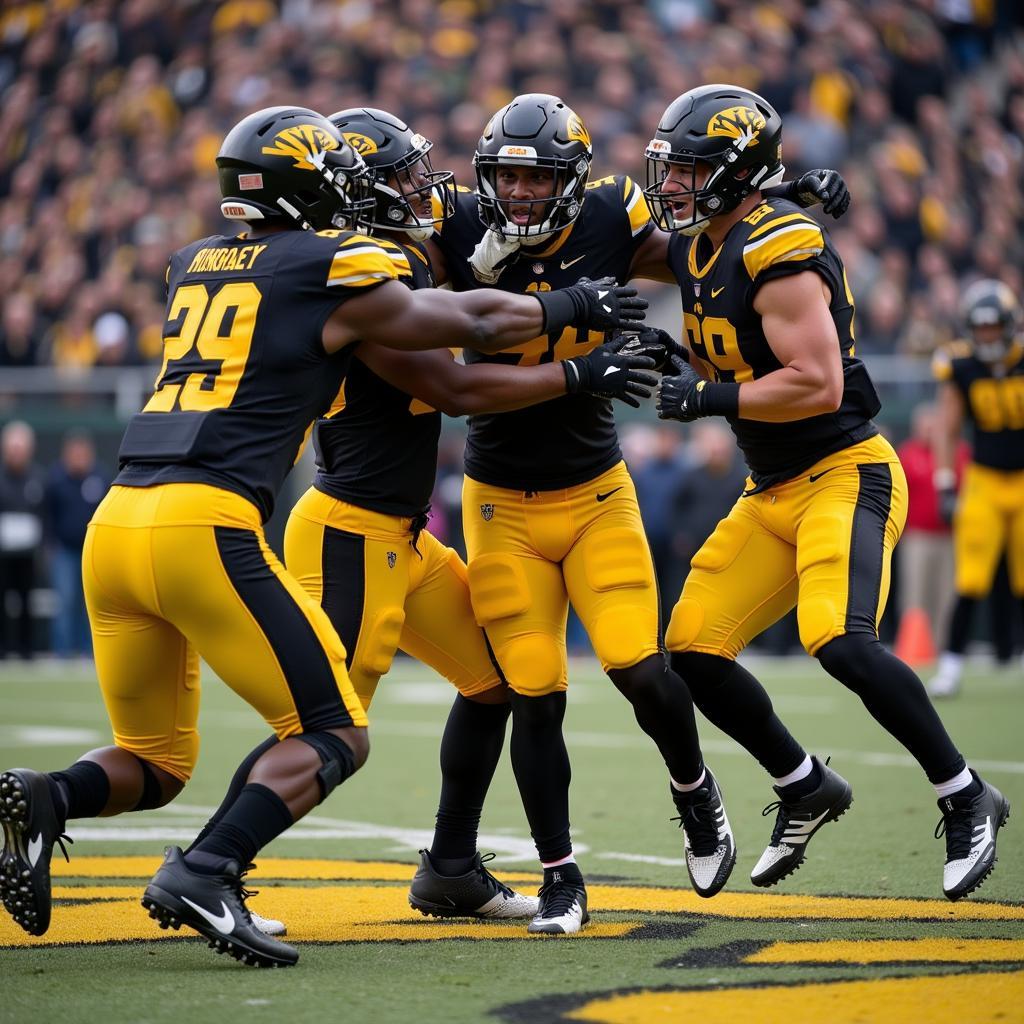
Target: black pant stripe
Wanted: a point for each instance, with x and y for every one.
(306, 666)
(343, 566)
(874, 503)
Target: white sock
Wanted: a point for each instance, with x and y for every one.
(571, 859)
(689, 787)
(955, 784)
(801, 771)
(951, 665)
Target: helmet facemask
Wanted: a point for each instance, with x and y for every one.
(556, 211)
(410, 196)
(994, 319)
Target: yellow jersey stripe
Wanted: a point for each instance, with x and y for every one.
(361, 265)
(639, 214)
(792, 242)
(778, 222)
(398, 257)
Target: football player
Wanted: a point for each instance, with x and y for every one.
(768, 318)
(550, 512)
(258, 336)
(982, 379)
(357, 541)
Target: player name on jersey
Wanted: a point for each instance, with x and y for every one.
(220, 258)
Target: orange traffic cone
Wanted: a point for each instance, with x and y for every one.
(914, 642)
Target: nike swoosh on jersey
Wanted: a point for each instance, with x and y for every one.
(715, 292)
(818, 476)
(224, 922)
(604, 497)
(566, 264)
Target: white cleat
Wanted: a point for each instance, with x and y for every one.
(268, 925)
(563, 902)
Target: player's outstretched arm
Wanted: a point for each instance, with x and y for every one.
(486, 319)
(800, 331)
(821, 186)
(460, 390)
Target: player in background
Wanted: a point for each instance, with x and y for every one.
(768, 317)
(358, 541)
(257, 341)
(981, 379)
(549, 510)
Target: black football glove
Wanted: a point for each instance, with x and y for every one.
(659, 345)
(609, 372)
(678, 395)
(947, 504)
(595, 305)
(824, 186)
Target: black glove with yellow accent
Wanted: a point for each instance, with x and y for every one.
(595, 305)
(687, 396)
(609, 372)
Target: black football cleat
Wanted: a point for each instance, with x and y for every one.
(563, 902)
(214, 906)
(971, 826)
(797, 821)
(708, 841)
(476, 893)
(31, 826)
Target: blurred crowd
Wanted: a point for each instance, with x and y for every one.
(112, 113)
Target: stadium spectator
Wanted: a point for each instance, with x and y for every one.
(110, 112)
(75, 487)
(22, 508)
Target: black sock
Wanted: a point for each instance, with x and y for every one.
(896, 699)
(81, 791)
(238, 781)
(731, 698)
(253, 820)
(541, 765)
(802, 787)
(470, 748)
(663, 708)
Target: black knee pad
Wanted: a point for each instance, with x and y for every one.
(701, 672)
(853, 659)
(546, 711)
(152, 792)
(336, 758)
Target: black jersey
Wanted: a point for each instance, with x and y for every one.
(377, 446)
(244, 371)
(571, 439)
(721, 326)
(994, 400)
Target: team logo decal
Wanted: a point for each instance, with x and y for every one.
(577, 131)
(538, 268)
(487, 511)
(362, 144)
(248, 182)
(301, 142)
(392, 559)
(739, 123)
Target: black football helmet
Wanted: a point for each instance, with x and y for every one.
(733, 130)
(292, 163)
(401, 172)
(534, 130)
(991, 304)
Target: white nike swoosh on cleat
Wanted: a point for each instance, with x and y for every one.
(611, 369)
(35, 847)
(224, 923)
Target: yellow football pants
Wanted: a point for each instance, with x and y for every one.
(182, 571)
(382, 595)
(989, 520)
(822, 542)
(530, 553)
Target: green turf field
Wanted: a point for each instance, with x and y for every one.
(860, 933)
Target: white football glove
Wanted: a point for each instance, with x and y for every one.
(492, 254)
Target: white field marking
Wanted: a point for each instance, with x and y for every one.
(46, 736)
(641, 858)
